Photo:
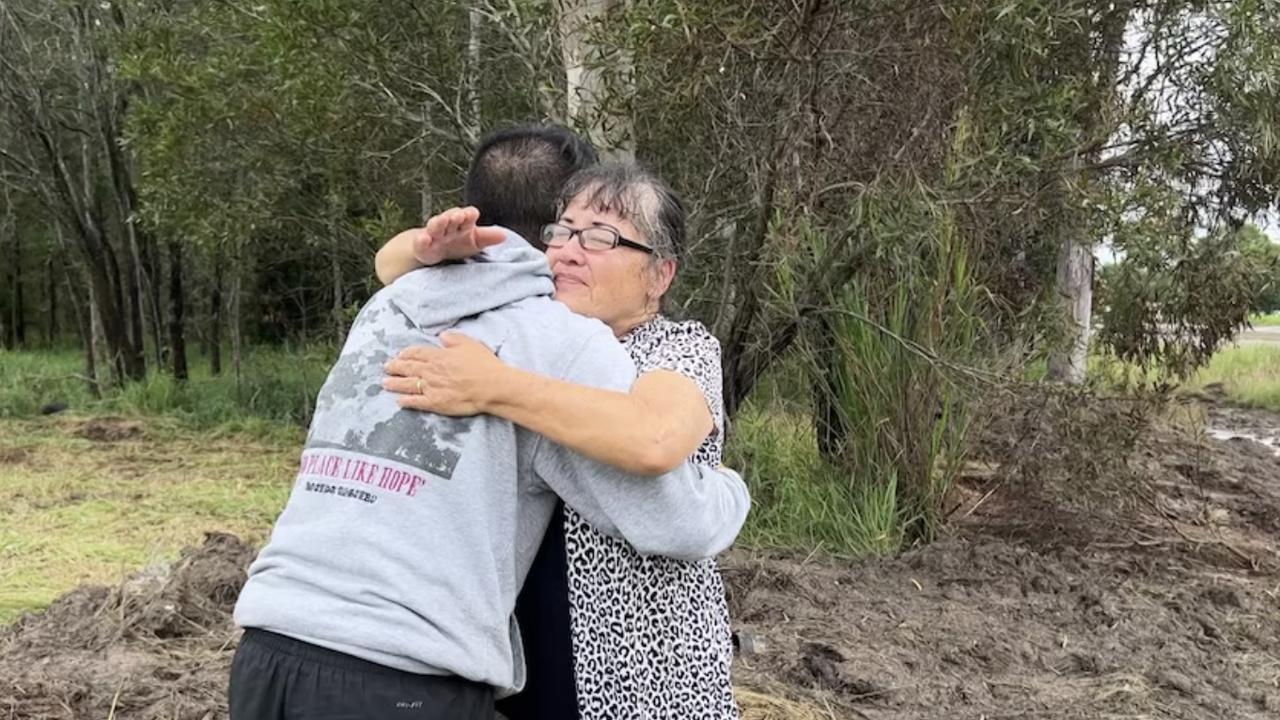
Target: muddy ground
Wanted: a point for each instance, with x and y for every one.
(1071, 585)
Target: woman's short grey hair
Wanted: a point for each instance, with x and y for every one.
(637, 195)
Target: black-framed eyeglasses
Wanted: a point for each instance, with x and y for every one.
(595, 238)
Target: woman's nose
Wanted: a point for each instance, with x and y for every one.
(570, 253)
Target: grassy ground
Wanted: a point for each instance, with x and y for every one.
(1250, 375)
(276, 389)
(84, 511)
(215, 456)
(798, 500)
(1269, 320)
(91, 511)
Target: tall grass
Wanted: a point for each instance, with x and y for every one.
(30, 380)
(1249, 375)
(890, 356)
(275, 391)
(801, 500)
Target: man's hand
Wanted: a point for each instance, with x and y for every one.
(458, 379)
(453, 235)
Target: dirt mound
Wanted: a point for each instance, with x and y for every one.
(763, 706)
(156, 646)
(1145, 589)
(109, 429)
(1087, 572)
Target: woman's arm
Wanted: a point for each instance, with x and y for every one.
(396, 258)
(450, 235)
(650, 430)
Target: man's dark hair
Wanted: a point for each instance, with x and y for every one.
(517, 173)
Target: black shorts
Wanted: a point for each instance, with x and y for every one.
(274, 677)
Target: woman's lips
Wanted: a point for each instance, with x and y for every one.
(564, 281)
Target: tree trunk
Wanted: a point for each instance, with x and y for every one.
(51, 329)
(475, 23)
(335, 275)
(152, 290)
(118, 309)
(1069, 361)
(237, 338)
(109, 110)
(12, 279)
(85, 215)
(215, 321)
(133, 302)
(17, 331)
(82, 305)
(96, 337)
(611, 133)
(829, 421)
(177, 339)
(19, 300)
(428, 156)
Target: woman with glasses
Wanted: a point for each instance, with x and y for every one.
(610, 634)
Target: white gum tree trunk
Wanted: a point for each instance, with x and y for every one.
(587, 93)
(1069, 362)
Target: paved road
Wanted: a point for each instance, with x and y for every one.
(1260, 336)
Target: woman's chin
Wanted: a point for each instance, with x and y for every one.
(573, 297)
(571, 293)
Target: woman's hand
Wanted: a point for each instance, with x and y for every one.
(453, 235)
(459, 379)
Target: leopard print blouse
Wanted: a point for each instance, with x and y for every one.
(650, 635)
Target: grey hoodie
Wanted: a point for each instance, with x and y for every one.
(408, 534)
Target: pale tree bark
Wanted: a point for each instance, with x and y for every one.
(79, 294)
(95, 349)
(140, 280)
(425, 198)
(1069, 362)
(587, 92)
(475, 21)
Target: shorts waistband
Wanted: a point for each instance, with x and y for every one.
(324, 656)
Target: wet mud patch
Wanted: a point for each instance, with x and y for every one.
(1142, 587)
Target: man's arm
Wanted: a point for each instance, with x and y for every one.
(690, 513)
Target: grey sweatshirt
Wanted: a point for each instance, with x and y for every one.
(408, 534)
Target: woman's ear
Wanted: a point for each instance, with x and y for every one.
(662, 273)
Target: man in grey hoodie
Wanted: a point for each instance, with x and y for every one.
(388, 585)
